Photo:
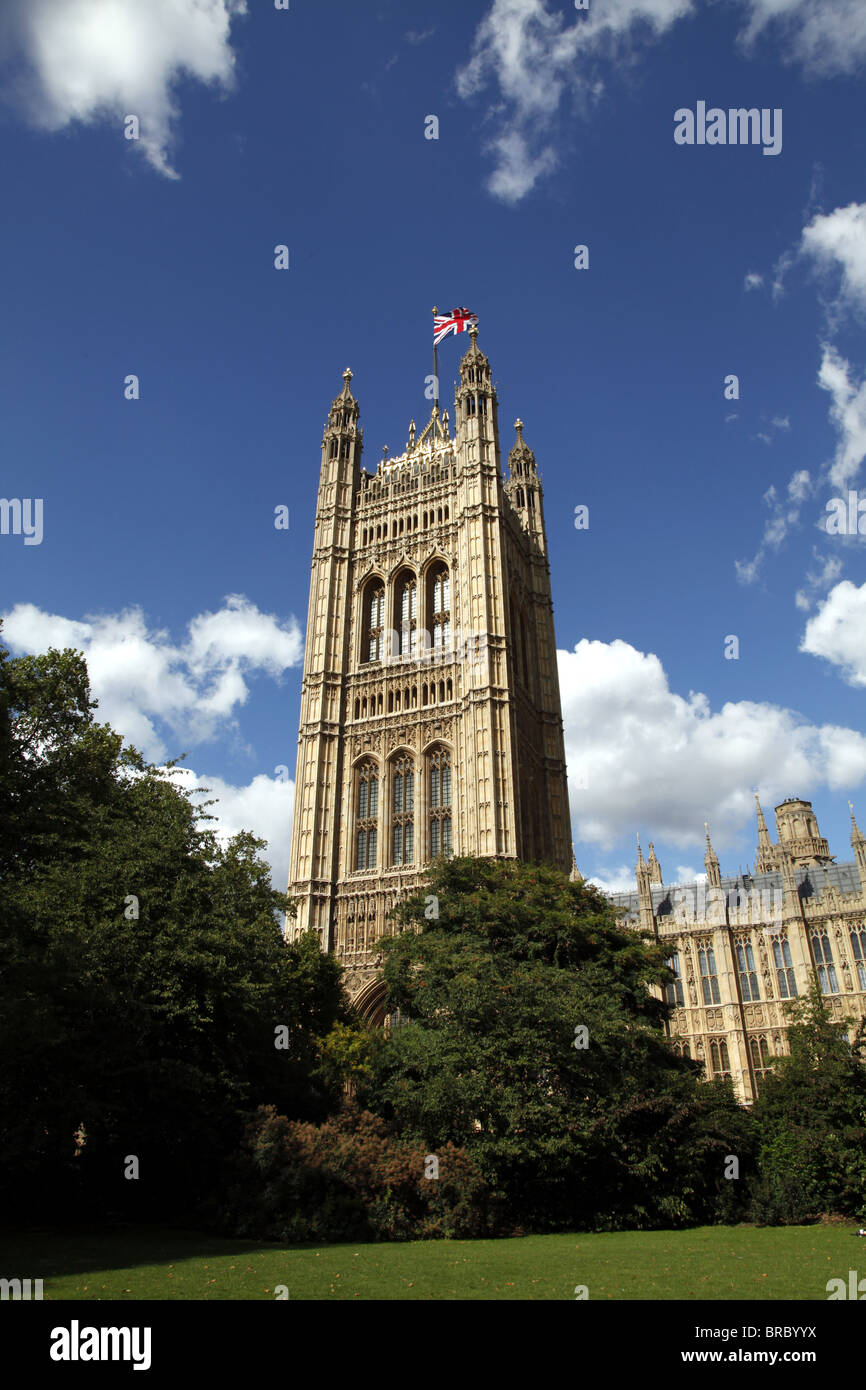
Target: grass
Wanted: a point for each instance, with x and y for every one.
(710, 1262)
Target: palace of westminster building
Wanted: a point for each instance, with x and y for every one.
(431, 723)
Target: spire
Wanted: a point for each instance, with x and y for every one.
(711, 863)
(655, 868)
(521, 460)
(766, 859)
(644, 891)
(857, 836)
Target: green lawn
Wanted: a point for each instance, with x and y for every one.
(711, 1262)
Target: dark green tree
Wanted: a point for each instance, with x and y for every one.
(144, 979)
(811, 1120)
(501, 966)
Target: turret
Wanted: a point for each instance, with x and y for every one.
(858, 844)
(766, 859)
(342, 441)
(799, 834)
(711, 863)
(655, 868)
(644, 891)
(475, 405)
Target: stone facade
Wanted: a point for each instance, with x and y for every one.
(743, 947)
(430, 710)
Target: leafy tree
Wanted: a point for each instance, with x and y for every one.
(498, 988)
(143, 969)
(811, 1118)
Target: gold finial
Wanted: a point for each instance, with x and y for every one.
(435, 311)
(347, 375)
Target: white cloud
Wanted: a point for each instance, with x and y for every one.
(825, 36)
(837, 241)
(527, 58)
(102, 60)
(847, 414)
(784, 516)
(654, 761)
(146, 685)
(837, 632)
(531, 57)
(828, 571)
(753, 281)
(263, 807)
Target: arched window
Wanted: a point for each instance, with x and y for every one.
(374, 622)
(440, 802)
(784, 969)
(674, 991)
(366, 822)
(403, 811)
(719, 1059)
(858, 950)
(709, 978)
(747, 972)
(440, 607)
(823, 954)
(760, 1054)
(407, 610)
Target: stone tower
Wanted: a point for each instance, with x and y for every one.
(430, 710)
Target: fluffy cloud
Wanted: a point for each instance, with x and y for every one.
(93, 60)
(531, 56)
(824, 36)
(142, 680)
(837, 632)
(640, 755)
(528, 58)
(263, 807)
(847, 394)
(837, 241)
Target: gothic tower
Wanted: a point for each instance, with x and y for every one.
(430, 712)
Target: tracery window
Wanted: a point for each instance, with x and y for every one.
(674, 991)
(747, 972)
(823, 953)
(760, 1054)
(440, 608)
(784, 968)
(858, 950)
(367, 816)
(403, 811)
(440, 802)
(720, 1062)
(374, 622)
(709, 976)
(407, 607)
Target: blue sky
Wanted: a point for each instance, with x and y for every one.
(306, 127)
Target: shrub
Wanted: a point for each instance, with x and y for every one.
(349, 1179)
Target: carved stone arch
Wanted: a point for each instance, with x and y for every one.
(369, 1002)
(363, 756)
(370, 571)
(436, 557)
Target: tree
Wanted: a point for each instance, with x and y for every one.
(811, 1119)
(144, 977)
(535, 1043)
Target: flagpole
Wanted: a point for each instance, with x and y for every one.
(435, 364)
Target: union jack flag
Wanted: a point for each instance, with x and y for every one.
(458, 321)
